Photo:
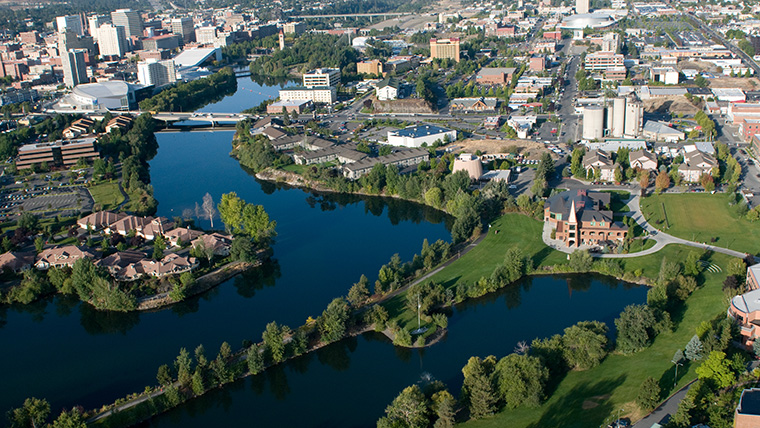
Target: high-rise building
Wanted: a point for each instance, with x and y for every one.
(157, 73)
(70, 23)
(581, 6)
(95, 21)
(74, 67)
(445, 48)
(70, 40)
(130, 20)
(183, 27)
(112, 40)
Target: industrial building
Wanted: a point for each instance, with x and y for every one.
(624, 117)
(416, 136)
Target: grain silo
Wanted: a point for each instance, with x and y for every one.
(634, 116)
(618, 117)
(593, 122)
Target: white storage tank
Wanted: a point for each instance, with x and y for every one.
(618, 117)
(593, 122)
(634, 116)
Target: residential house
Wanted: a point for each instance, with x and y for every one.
(119, 260)
(695, 164)
(220, 244)
(599, 160)
(468, 105)
(642, 160)
(62, 256)
(157, 226)
(171, 264)
(118, 122)
(99, 220)
(127, 224)
(182, 235)
(16, 261)
(581, 218)
(387, 89)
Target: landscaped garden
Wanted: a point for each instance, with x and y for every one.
(702, 217)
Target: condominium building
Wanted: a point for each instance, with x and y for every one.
(324, 94)
(599, 61)
(157, 73)
(445, 48)
(70, 23)
(321, 77)
(183, 27)
(130, 20)
(74, 67)
(112, 41)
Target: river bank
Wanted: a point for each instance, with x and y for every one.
(201, 285)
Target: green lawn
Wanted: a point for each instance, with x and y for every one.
(590, 398)
(701, 217)
(107, 195)
(641, 245)
(616, 200)
(515, 230)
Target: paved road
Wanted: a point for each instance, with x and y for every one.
(662, 413)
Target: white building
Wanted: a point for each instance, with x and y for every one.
(321, 77)
(70, 23)
(325, 95)
(205, 35)
(581, 6)
(416, 136)
(522, 124)
(157, 73)
(112, 41)
(666, 75)
(387, 90)
(95, 21)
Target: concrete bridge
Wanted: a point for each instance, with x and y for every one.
(353, 15)
(213, 118)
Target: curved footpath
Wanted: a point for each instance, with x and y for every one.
(661, 238)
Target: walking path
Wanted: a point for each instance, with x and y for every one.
(665, 410)
(661, 238)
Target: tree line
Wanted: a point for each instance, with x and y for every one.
(189, 96)
(310, 50)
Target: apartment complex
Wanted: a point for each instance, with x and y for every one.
(324, 94)
(445, 48)
(157, 73)
(112, 40)
(321, 77)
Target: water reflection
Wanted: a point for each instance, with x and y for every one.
(252, 280)
(106, 322)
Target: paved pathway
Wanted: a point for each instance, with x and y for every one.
(665, 410)
(661, 238)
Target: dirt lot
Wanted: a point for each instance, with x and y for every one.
(750, 84)
(531, 148)
(674, 105)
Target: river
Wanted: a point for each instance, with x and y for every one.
(70, 354)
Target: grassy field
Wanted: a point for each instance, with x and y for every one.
(514, 230)
(107, 195)
(591, 398)
(616, 200)
(702, 217)
(641, 245)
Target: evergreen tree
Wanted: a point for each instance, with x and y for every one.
(183, 364)
(444, 407)
(255, 359)
(197, 383)
(694, 349)
(649, 394)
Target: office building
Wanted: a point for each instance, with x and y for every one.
(70, 23)
(70, 40)
(95, 21)
(205, 35)
(74, 67)
(581, 6)
(112, 41)
(157, 43)
(601, 61)
(325, 94)
(321, 77)
(157, 73)
(183, 27)
(130, 20)
(445, 48)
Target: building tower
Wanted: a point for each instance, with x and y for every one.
(74, 67)
(572, 227)
(183, 27)
(282, 40)
(130, 20)
(112, 41)
(581, 6)
(618, 117)
(95, 21)
(70, 23)
(634, 116)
